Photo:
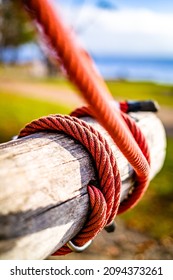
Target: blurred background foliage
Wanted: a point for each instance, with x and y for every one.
(15, 28)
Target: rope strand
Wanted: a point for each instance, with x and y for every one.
(97, 95)
(140, 186)
(104, 200)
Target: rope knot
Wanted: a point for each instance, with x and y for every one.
(121, 128)
(104, 199)
(104, 194)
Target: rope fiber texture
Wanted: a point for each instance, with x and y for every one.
(121, 128)
(89, 83)
(105, 198)
(104, 202)
(142, 143)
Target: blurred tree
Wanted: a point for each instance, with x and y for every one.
(15, 28)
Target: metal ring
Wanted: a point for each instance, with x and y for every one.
(78, 249)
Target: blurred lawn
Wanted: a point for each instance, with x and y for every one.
(17, 110)
(154, 214)
(142, 90)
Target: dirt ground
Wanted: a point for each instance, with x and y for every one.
(124, 244)
(42, 91)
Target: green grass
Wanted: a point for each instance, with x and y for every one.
(154, 213)
(163, 94)
(125, 90)
(16, 111)
(120, 89)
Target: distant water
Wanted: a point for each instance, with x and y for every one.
(23, 54)
(111, 67)
(143, 69)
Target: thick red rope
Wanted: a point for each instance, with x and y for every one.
(123, 130)
(138, 191)
(90, 85)
(105, 200)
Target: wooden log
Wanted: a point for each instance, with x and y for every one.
(43, 179)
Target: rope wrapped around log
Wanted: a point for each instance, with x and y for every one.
(48, 174)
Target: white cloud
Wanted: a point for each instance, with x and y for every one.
(126, 31)
(143, 21)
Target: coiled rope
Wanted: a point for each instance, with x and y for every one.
(122, 129)
(104, 198)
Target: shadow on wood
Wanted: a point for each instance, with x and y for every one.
(43, 180)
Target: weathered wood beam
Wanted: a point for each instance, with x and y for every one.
(43, 179)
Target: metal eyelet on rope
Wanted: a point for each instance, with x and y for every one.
(78, 249)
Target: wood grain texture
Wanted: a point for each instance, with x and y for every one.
(43, 180)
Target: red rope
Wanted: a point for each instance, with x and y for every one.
(138, 190)
(122, 129)
(124, 107)
(105, 200)
(90, 85)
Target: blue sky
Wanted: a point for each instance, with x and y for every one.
(155, 5)
(122, 27)
(151, 4)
